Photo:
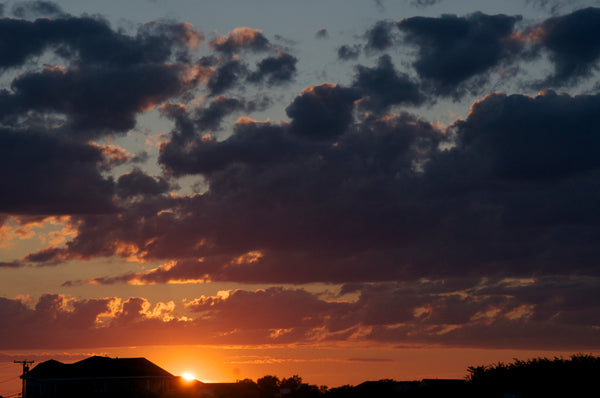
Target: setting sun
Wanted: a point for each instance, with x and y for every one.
(188, 376)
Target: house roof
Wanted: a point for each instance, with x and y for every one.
(98, 367)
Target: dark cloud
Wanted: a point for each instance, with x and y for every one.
(241, 39)
(533, 157)
(275, 70)
(322, 34)
(189, 150)
(545, 138)
(51, 175)
(230, 73)
(252, 143)
(347, 52)
(492, 321)
(573, 42)
(209, 118)
(383, 86)
(453, 49)
(237, 218)
(226, 76)
(137, 182)
(33, 9)
(94, 100)
(48, 115)
(89, 41)
(322, 112)
(381, 36)
(10, 264)
(111, 77)
(378, 199)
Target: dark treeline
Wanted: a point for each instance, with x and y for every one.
(539, 377)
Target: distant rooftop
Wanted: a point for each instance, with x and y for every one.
(98, 367)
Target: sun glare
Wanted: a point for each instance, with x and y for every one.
(188, 377)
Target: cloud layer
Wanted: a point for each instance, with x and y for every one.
(508, 313)
(483, 232)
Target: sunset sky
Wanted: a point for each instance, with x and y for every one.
(346, 190)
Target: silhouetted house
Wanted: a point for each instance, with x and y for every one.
(98, 377)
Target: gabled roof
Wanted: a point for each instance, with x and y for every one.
(98, 367)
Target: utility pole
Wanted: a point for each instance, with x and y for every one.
(25, 370)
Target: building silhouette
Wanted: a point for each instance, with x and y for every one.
(98, 377)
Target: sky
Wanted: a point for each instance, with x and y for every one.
(343, 190)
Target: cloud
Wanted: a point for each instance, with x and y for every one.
(113, 156)
(88, 97)
(57, 321)
(381, 36)
(48, 114)
(10, 264)
(517, 137)
(323, 111)
(252, 143)
(322, 34)
(51, 175)
(210, 118)
(83, 40)
(239, 39)
(97, 92)
(573, 43)
(453, 49)
(347, 52)
(261, 157)
(286, 308)
(379, 198)
(275, 70)
(207, 118)
(383, 86)
(52, 313)
(226, 76)
(231, 72)
(480, 233)
(542, 313)
(137, 182)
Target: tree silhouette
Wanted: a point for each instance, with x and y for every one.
(538, 377)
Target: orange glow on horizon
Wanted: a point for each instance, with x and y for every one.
(188, 377)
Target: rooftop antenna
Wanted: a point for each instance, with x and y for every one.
(25, 371)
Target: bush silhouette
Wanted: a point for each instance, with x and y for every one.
(538, 377)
